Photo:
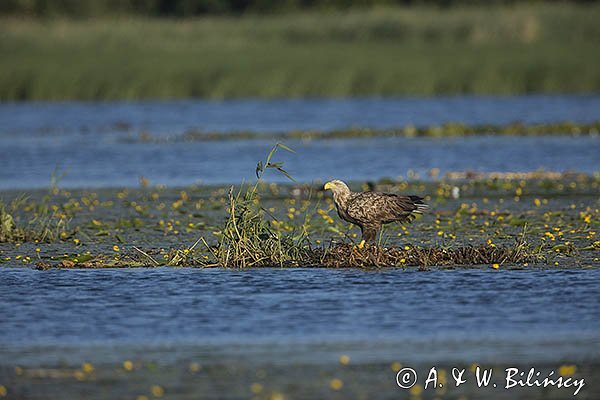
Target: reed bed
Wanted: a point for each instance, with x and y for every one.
(248, 239)
(522, 48)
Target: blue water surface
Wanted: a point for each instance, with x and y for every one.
(94, 144)
(532, 314)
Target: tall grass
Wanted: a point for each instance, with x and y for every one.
(548, 48)
(7, 224)
(42, 224)
(247, 238)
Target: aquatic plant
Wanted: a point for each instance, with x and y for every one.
(348, 255)
(247, 239)
(444, 130)
(43, 225)
(477, 228)
(7, 224)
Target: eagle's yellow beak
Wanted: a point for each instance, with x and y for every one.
(328, 185)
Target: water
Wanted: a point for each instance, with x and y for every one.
(462, 314)
(168, 117)
(239, 321)
(88, 141)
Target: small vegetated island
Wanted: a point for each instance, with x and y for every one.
(510, 220)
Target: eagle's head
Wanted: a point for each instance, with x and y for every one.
(337, 187)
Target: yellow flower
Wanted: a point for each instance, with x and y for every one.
(361, 244)
(195, 367)
(157, 391)
(567, 370)
(128, 365)
(256, 388)
(344, 360)
(116, 248)
(495, 266)
(276, 396)
(336, 384)
(79, 375)
(416, 390)
(442, 379)
(88, 368)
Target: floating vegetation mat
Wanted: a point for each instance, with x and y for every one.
(445, 130)
(345, 255)
(339, 255)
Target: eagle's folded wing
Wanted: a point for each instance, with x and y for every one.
(374, 207)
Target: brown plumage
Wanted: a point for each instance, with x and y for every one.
(370, 210)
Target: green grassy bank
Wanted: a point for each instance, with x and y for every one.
(549, 48)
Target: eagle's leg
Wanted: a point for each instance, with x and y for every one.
(369, 233)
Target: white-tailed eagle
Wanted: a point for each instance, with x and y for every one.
(370, 210)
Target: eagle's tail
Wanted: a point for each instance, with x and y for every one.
(418, 202)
